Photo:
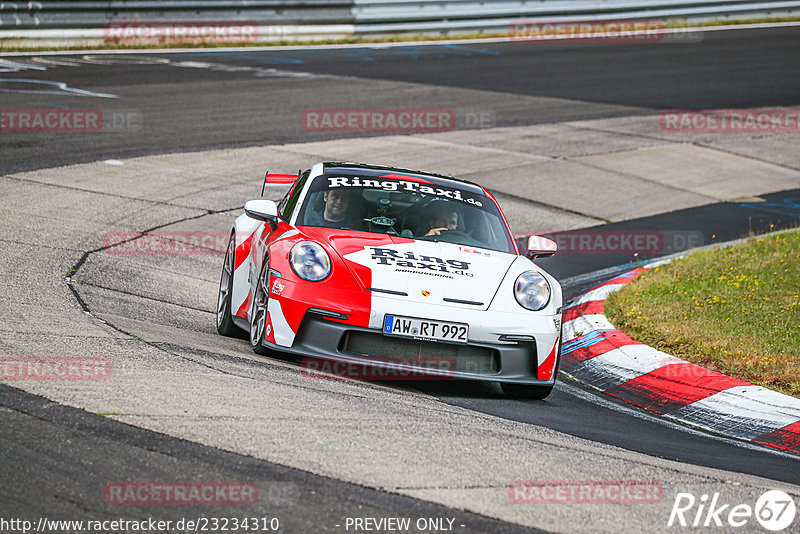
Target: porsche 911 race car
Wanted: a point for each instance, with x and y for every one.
(393, 269)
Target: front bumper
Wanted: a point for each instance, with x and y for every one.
(402, 358)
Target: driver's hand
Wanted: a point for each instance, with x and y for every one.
(436, 231)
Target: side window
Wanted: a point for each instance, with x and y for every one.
(287, 205)
(285, 198)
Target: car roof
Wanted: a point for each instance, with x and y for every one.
(365, 169)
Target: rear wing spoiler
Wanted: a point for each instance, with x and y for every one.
(278, 179)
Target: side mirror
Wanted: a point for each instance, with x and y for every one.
(540, 247)
(263, 210)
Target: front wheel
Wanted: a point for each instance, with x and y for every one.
(524, 391)
(258, 311)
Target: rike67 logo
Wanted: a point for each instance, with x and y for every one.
(774, 510)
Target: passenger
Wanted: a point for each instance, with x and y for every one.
(444, 218)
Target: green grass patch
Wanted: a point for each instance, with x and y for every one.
(735, 310)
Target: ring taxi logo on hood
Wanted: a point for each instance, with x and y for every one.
(397, 185)
(421, 263)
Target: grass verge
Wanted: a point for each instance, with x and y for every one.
(734, 310)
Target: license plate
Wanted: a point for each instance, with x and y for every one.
(425, 329)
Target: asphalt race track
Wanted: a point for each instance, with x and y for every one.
(207, 103)
(359, 449)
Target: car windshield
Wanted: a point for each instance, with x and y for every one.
(406, 206)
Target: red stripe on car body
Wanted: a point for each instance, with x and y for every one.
(243, 251)
(545, 371)
(406, 178)
(503, 216)
(244, 309)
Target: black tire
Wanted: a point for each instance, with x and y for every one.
(524, 391)
(258, 311)
(225, 324)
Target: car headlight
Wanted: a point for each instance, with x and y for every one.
(532, 290)
(310, 261)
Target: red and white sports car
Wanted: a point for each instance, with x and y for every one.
(393, 269)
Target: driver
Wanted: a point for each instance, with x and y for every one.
(334, 214)
(443, 219)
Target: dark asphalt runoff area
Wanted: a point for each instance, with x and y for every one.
(221, 99)
(196, 107)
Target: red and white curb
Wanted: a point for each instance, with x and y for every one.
(597, 354)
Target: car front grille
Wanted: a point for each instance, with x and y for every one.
(421, 354)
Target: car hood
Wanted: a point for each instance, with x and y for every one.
(421, 271)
